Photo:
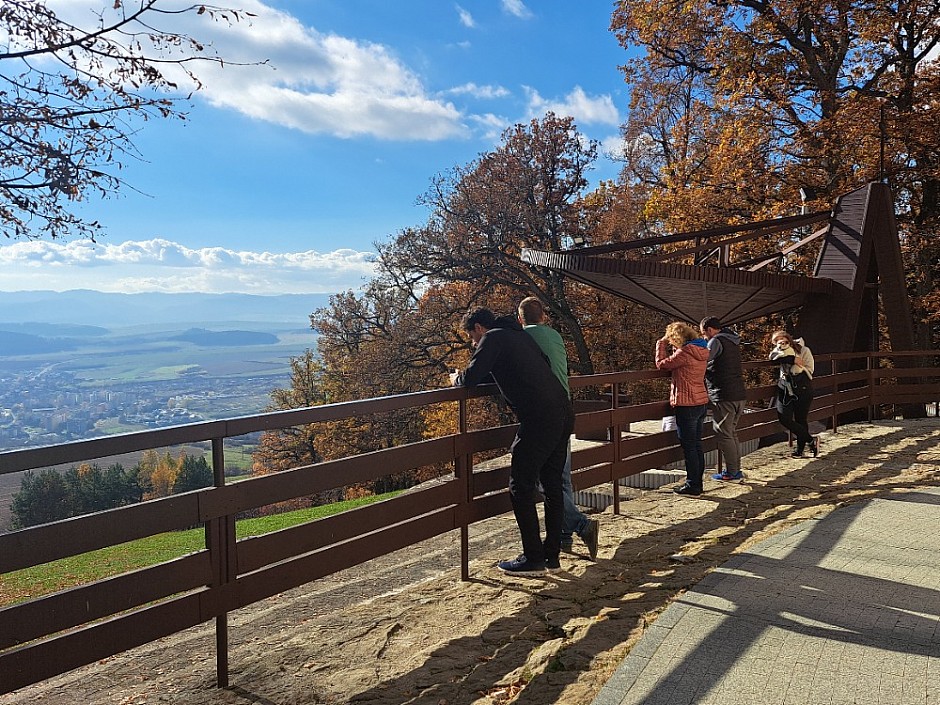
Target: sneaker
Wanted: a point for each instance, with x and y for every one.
(729, 476)
(814, 446)
(687, 489)
(797, 453)
(522, 566)
(589, 536)
(567, 547)
(552, 565)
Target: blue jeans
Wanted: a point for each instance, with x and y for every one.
(689, 420)
(575, 521)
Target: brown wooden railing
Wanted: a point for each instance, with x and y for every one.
(54, 633)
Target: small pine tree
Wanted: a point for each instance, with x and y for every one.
(194, 474)
(42, 498)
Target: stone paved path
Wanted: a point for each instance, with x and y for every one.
(844, 609)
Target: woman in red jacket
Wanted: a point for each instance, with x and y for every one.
(687, 395)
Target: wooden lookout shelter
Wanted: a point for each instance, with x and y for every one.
(859, 262)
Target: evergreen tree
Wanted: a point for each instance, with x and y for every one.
(194, 474)
(43, 497)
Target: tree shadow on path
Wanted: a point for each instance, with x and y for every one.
(566, 634)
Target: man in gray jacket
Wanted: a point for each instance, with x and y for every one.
(724, 380)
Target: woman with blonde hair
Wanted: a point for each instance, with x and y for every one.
(794, 388)
(686, 363)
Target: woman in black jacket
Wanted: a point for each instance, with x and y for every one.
(794, 389)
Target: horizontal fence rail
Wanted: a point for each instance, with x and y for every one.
(50, 634)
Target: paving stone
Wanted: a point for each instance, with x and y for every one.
(840, 610)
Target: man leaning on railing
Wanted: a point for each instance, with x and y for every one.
(546, 419)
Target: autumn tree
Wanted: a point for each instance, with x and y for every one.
(525, 193)
(736, 105)
(401, 333)
(312, 383)
(388, 340)
(164, 475)
(72, 93)
(144, 469)
(291, 447)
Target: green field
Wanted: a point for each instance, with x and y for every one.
(40, 580)
(239, 458)
(155, 354)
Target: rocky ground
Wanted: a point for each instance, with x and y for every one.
(405, 629)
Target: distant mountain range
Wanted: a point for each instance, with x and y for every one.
(225, 338)
(94, 308)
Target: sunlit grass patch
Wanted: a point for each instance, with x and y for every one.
(88, 567)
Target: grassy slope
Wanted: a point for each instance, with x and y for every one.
(85, 568)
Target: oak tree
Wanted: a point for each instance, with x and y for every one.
(736, 105)
(72, 97)
(524, 193)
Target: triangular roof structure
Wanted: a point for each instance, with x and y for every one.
(859, 249)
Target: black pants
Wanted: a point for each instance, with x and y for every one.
(792, 415)
(538, 458)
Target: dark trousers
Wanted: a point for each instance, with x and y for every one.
(538, 458)
(792, 416)
(689, 421)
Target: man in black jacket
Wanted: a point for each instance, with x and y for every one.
(724, 381)
(546, 420)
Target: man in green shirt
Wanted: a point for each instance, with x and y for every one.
(534, 320)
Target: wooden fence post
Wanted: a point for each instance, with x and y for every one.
(615, 439)
(463, 467)
(224, 541)
(835, 396)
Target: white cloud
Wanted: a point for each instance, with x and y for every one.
(492, 126)
(485, 92)
(613, 147)
(314, 82)
(162, 265)
(516, 8)
(466, 19)
(598, 110)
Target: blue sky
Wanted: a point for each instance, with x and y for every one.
(285, 175)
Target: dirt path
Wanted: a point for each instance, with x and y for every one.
(405, 629)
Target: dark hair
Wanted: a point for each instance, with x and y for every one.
(480, 315)
(710, 322)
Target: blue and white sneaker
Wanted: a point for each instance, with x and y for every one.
(729, 476)
(522, 566)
